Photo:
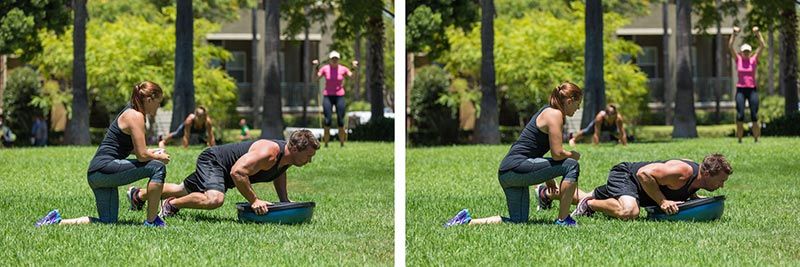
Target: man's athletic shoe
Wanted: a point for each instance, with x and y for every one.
(583, 209)
(168, 210)
(133, 198)
(544, 203)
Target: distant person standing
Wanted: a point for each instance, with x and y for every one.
(746, 63)
(39, 131)
(245, 134)
(334, 94)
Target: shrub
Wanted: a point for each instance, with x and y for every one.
(377, 129)
(432, 117)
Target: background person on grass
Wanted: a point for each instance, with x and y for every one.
(237, 165)
(110, 169)
(659, 183)
(607, 125)
(195, 129)
(525, 164)
(334, 94)
(245, 130)
(746, 85)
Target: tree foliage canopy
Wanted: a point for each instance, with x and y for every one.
(537, 51)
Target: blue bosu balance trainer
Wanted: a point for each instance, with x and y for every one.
(701, 209)
(279, 212)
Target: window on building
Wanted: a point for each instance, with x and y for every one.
(648, 61)
(237, 66)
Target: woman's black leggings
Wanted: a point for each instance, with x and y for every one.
(751, 95)
(327, 108)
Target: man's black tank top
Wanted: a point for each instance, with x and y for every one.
(680, 194)
(227, 155)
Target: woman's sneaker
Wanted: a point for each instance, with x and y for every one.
(462, 217)
(157, 222)
(568, 221)
(544, 203)
(133, 198)
(168, 210)
(52, 217)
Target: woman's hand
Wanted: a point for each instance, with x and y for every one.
(315, 62)
(575, 155)
(735, 30)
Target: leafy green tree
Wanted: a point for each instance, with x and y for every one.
(20, 22)
(526, 76)
(23, 85)
(131, 49)
(427, 20)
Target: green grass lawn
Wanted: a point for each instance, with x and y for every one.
(352, 225)
(760, 225)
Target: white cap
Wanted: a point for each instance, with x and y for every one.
(334, 54)
(746, 47)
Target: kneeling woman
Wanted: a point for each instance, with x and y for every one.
(525, 164)
(110, 167)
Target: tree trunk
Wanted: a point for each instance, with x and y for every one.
(771, 72)
(306, 74)
(2, 79)
(183, 96)
(357, 73)
(255, 84)
(487, 128)
(410, 72)
(272, 115)
(375, 33)
(594, 87)
(789, 57)
(718, 82)
(667, 80)
(685, 124)
(77, 132)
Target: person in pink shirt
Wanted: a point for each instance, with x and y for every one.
(334, 75)
(746, 63)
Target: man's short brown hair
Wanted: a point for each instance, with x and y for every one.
(715, 164)
(302, 139)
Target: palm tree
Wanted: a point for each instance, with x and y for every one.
(183, 96)
(487, 127)
(789, 56)
(595, 91)
(685, 122)
(77, 131)
(272, 114)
